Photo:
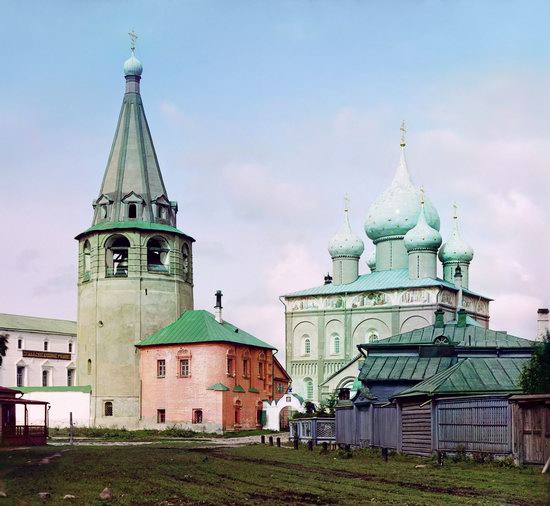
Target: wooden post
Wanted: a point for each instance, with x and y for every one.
(325, 447)
(278, 442)
(440, 458)
(385, 454)
(262, 439)
(270, 440)
(71, 428)
(296, 441)
(310, 445)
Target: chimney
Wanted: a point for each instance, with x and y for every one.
(439, 321)
(458, 284)
(461, 319)
(328, 279)
(218, 306)
(542, 323)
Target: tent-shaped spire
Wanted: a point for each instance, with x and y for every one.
(132, 189)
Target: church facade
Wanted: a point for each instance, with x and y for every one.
(325, 324)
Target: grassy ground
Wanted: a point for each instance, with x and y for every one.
(145, 435)
(166, 475)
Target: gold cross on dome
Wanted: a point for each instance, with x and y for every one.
(133, 37)
(422, 198)
(403, 132)
(455, 207)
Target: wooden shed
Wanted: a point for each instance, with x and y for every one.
(531, 428)
(13, 433)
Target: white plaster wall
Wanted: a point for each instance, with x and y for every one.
(273, 409)
(61, 404)
(34, 366)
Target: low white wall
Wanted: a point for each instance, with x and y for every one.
(273, 410)
(61, 404)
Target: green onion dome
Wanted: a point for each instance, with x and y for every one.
(397, 209)
(456, 249)
(371, 262)
(345, 243)
(132, 66)
(422, 236)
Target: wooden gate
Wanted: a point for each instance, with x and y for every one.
(416, 428)
(385, 430)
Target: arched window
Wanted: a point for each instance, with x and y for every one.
(336, 344)
(157, 255)
(89, 366)
(307, 345)
(108, 408)
(132, 211)
(87, 250)
(372, 336)
(116, 256)
(309, 388)
(104, 213)
(186, 262)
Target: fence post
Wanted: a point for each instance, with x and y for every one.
(385, 454)
(71, 428)
(270, 440)
(310, 445)
(278, 442)
(296, 440)
(440, 458)
(262, 439)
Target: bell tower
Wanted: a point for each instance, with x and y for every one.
(135, 267)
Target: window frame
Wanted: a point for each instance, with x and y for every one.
(161, 415)
(197, 416)
(45, 377)
(20, 375)
(108, 408)
(161, 368)
(182, 363)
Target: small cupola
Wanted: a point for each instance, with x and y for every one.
(345, 249)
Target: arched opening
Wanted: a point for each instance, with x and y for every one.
(116, 256)
(284, 418)
(108, 408)
(89, 366)
(186, 262)
(336, 344)
(307, 345)
(157, 255)
(132, 211)
(104, 212)
(308, 383)
(87, 250)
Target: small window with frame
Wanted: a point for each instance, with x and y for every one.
(184, 368)
(197, 416)
(161, 368)
(161, 416)
(46, 345)
(108, 408)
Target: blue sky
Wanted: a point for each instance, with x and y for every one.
(264, 114)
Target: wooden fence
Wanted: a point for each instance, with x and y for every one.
(319, 430)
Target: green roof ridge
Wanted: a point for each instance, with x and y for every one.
(220, 387)
(132, 224)
(238, 388)
(200, 326)
(253, 390)
(37, 324)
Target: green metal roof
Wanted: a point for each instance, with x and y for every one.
(472, 376)
(239, 388)
(403, 368)
(219, 387)
(253, 390)
(35, 324)
(86, 389)
(354, 359)
(139, 225)
(200, 326)
(377, 280)
(470, 335)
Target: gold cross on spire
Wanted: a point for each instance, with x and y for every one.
(403, 132)
(346, 202)
(133, 37)
(455, 214)
(422, 198)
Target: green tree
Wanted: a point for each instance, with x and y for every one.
(3, 346)
(535, 376)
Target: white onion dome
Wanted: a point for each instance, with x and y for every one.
(132, 66)
(456, 249)
(422, 236)
(397, 209)
(371, 262)
(345, 243)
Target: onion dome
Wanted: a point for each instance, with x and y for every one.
(345, 243)
(397, 209)
(456, 249)
(422, 236)
(132, 66)
(371, 262)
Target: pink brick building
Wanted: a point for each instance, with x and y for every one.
(207, 375)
